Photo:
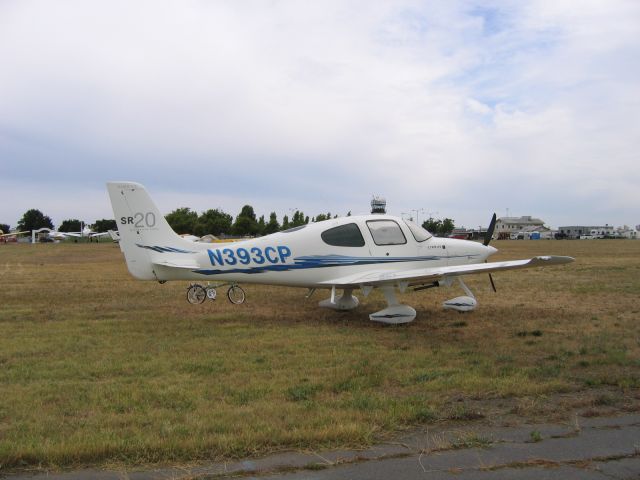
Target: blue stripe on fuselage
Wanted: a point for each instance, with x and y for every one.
(322, 261)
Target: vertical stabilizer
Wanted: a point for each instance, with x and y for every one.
(143, 229)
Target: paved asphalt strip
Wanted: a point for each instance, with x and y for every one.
(588, 448)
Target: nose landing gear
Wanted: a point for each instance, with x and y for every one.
(465, 303)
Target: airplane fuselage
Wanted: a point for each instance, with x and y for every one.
(312, 254)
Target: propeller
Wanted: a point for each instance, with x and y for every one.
(487, 239)
(489, 234)
(493, 285)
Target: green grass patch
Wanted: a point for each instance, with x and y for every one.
(98, 368)
(303, 391)
(471, 440)
(535, 436)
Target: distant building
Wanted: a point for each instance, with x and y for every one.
(469, 233)
(461, 234)
(533, 232)
(378, 205)
(505, 226)
(627, 232)
(577, 231)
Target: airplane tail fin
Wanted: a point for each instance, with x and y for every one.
(143, 230)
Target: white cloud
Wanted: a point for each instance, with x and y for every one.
(438, 105)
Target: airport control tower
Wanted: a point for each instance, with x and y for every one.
(378, 205)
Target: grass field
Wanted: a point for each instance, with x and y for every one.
(97, 369)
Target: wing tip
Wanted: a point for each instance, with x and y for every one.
(555, 259)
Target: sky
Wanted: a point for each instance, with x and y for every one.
(446, 108)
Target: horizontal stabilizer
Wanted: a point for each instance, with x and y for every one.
(182, 265)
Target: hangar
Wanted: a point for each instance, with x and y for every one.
(505, 226)
(576, 231)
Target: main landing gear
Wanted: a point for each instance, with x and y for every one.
(464, 303)
(397, 313)
(346, 302)
(197, 293)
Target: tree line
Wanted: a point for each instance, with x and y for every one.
(213, 221)
(217, 222)
(440, 228)
(34, 219)
(183, 220)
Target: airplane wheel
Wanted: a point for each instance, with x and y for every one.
(196, 294)
(211, 293)
(236, 294)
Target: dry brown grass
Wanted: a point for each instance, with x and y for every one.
(96, 367)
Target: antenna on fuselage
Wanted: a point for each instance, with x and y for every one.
(378, 205)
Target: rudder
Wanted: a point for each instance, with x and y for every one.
(141, 227)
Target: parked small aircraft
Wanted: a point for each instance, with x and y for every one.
(11, 235)
(115, 236)
(349, 253)
(86, 232)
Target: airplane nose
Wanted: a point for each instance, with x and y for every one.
(490, 250)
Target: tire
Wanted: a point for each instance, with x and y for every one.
(236, 295)
(211, 293)
(196, 294)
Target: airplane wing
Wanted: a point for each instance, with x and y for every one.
(100, 234)
(425, 275)
(13, 234)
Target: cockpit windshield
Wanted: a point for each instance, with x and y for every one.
(419, 233)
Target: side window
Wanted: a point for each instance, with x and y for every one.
(419, 233)
(348, 235)
(386, 232)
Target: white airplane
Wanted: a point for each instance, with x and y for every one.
(349, 253)
(190, 238)
(4, 236)
(57, 235)
(86, 232)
